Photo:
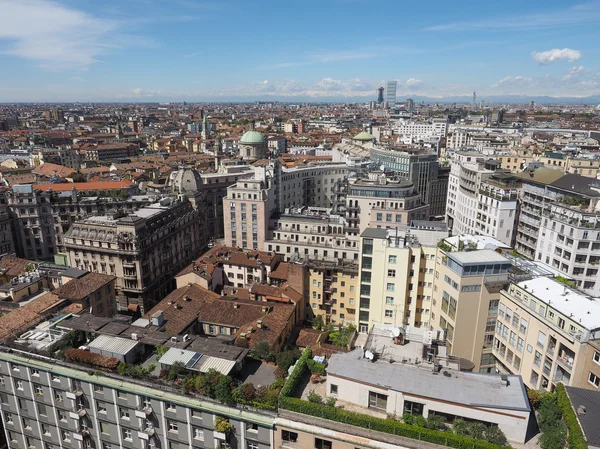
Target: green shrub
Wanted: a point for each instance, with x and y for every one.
(296, 377)
(390, 426)
(331, 401)
(286, 359)
(536, 397)
(316, 367)
(550, 422)
(575, 439)
(223, 391)
(314, 397)
(494, 435)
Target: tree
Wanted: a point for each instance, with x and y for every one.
(175, 370)
(262, 350)
(207, 384)
(318, 322)
(223, 391)
(285, 359)
(494, 435)
(435, 422)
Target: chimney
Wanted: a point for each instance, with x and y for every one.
(259, 324)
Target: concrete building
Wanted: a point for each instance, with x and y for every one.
(467, 290)
(396, 271)
(558, 224)
(111, 151)
(144, 250)
(391, 387)
(548, 333)
(381, 202)
(422, 169)
(390, 93)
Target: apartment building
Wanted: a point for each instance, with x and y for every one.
(548, 333)
(470, 207)
(422, 169)
(49, 404)
(111, 151)
(466, 293)
(311, 233)
(42, 214)
(559, 225)
(396, 271)
(380, 202)
(332, 291)
(144, 250)
(7, 243)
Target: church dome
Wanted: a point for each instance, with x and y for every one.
(252, 137)
(186, 180)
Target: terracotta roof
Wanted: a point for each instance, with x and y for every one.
(309, 337)
(281, 272)
(81, 186)
(48, 169)
(114, 146)
(29, 315)
(80, 288)
(14, 266)
(99, 169)
(23, 178)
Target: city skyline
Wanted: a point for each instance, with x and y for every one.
(334, 50)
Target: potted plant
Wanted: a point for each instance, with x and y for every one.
(222, 428)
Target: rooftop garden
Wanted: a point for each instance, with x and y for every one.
(461, 435)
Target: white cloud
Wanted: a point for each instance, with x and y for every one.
(574, 72)
(555, 55)
(55, 36)
(512, 81)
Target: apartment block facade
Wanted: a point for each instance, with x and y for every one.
(548, 333)
(55, 405)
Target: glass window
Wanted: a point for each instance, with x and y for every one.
(377, 400)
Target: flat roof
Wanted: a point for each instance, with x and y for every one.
(374, 233)
(588, 420)
(477, 256)
(482, 241)
(473, 389)
(578, 306)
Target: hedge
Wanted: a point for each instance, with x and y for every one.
(390, 426)
(575, 437)
(296, 377)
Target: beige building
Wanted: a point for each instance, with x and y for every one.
(144, 250)
(397, 275)
(548, 333)
(332, 291)
(466, 293)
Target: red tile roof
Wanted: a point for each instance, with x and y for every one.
(48, 169)
(80, 288)
(81, 186)
(29, 315)
(14, 266)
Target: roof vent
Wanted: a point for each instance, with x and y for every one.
(186, 298)
(236, 306)
(581, 410)
(259, 324)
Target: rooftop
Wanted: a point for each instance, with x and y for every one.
(571, 303)
(81, 287)
(471, 389)
(590, 401)
(479, 256)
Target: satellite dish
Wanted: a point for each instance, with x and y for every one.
(369, 355)
(395, 332)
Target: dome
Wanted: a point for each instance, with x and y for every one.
(364, 136)
(251, 137)
(186, 180)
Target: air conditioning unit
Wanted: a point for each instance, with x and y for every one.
(174, 339)
(134, 337)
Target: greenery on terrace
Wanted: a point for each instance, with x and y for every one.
(433, 430)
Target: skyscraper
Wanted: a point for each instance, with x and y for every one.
(380, 95)
(390, 94)
(410, 104)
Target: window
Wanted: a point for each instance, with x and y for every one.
(597, 357)
(126, 434)
(35, 372)
(289, 438)
(377, 400)
(390, 287)
(252, 445)
(593, 379)
(173, 426)
(8, 418)
(322, 444)
(101, 407)
(104, 428)
(392, 259)
(171, 407)
(124, 413)
(1, 380)
(389, 300)
(98, 388)
(64, 435)
(19, 384)
(61, 416)
(26, 424)
(333, 389)
(413, 408)
(389, 314)
(106, 446)
(121, 394)
(391, 273)
(58, 397)
(541, 341)
(42, 410)
(39, 391)
(251, 427)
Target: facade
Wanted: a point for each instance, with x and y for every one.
(463, 211)
(7, 243)
(420, 168)
(332, 291)
(396, 275)
(377, 201)
(390, 387)
(144, 250)
(111, 151)
(548, 333)
(390, 93)
(558, 225)
(49, 404)
(467, 290)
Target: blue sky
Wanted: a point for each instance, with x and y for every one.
(146, 50)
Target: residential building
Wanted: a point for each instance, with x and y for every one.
(548, 333)
(93, 291)
(386, 386)
(466, 293)
(559, 225)
(396, 270)
(332, 290)
(419, 167)
(111, 151)
(7, 243)
(144, 249)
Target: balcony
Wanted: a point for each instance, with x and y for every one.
(147, 430)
